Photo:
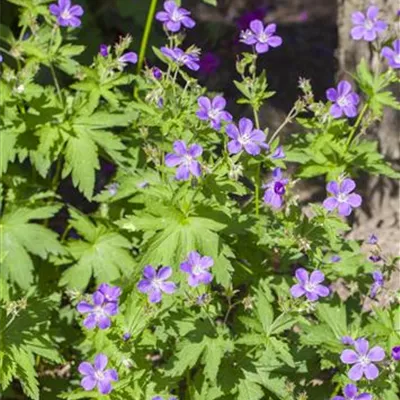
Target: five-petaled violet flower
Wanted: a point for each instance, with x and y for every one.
(198, 269)
(97, 375)
(350, 392)
(342, 197)
(367, 27)
(213, 111)
(155, 283)
(262, 37)
(378, 283)
(275, 189)
(344, 99)
(245, 136)
(128, 58)
(363, 360)
(189, 60)
(309, 285)
(396, 353)
(185, 157)
(174, 16)
(392, 55)
(67, 14)
(99, 312)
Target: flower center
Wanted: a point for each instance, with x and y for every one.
(396, 58)
(244, 139)
(342, 198)
(213, 114)
(99, 375)
(343, 101)
(263, 37)
(364, 361)
(279, 188)
(197, 270)
(176, 15)
(187, 159)
(369, 24)
(309, 287)
(99, 311)
(65, 14)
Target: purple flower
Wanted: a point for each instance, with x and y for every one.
(126, 336)
(154, 283)
(375, 258)
(128, 58)
(367, 27)
(343, 199)
(189, 60)
(335, 258)
(378, 283)
(66, 14)
(243, 22)
(185, 158)
(174, 16)
(98, 313)
(345, 101)
(303, 16)
(262, 37)
(275, 189)
(209, 63)
(110, 293)
(347, 340)
(213, 111)
(97, 375)
(162, 398)
(157, 74)
(363, 360)
(309, 285)
(373, 239)
(350, 392)
(252, 140)
(393, 55)
(103, 50)
(278, 153)
(198, 269)
(396, 353)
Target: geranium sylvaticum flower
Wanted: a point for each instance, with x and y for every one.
(347, 340)
(198, 269)
(185, 157)
(350, 392)
(392, 54)
(189, 60)
(335, 258)
(309, 285)
(128, 58)
(363, 360)
(275, 189)
(155, 283)
(213, 111)
(244, 136)
(396, 353)
(174, 17)
(367, 26)
(378, 283)
(372, 239)
(261, 37)
(99, 312)
(342, 197)
(97, 375)
(345, 101)
(66, 13)
(278, 153)
(103, 50)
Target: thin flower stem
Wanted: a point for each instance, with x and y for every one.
(356, 125)
(53, 74)
(288, 119)
(257, 190)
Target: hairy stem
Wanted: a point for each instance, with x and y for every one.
(356, 125)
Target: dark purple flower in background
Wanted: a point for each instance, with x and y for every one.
(367, 27)
(174, 17)
(309, 285)
(396, 353)
(103, 50)
(373, 239)
(189, 60)
(67, 14)
(155, 283)
(392, 55)
(209, 63)
(303, 16)
(378, 283)
(335, 258)
(162, 398)
(198, 269)
(243, 22)
(347, 340)
(344, 99)
(342, 197)
(128, 58)
(111, 293)
(185, 158)
(213, 111)
(157, 73)
(262, 37)
(1, 58)
(245, 136)
(97, 375)
(363, 360)
(375, 258)
(278, 153)
(126, 336)
(350, 392)
(275, 189)
(99, 312)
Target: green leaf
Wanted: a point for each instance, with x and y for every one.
(7, 149)
(249, 390)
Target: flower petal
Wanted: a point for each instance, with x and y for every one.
(84, 307)
(371, 372)
(347, 186)
(164, 273)
(104, 386)
(349, 356)
(301, 275)
(350, 390)
(330, 203)
(331, 94)
(149, 272)
(257, 26)
(88, 382)
(361, 345)
(155, 296)
(297, 290)
(356, 372)
(98, 298)
(357, 32)
(204, 102)
(195, 150)
(344, 88)
(180, 147)
(234, 147)
(376, 354)
(333, 187)
(358, 18)
(218, 103)
(168, 287)
(372, 12)
(354, 200)
(86, 368)
(317, 277)
(344, 209)
(245, 126)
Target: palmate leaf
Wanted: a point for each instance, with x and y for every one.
(20, 238)
(103, 254)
